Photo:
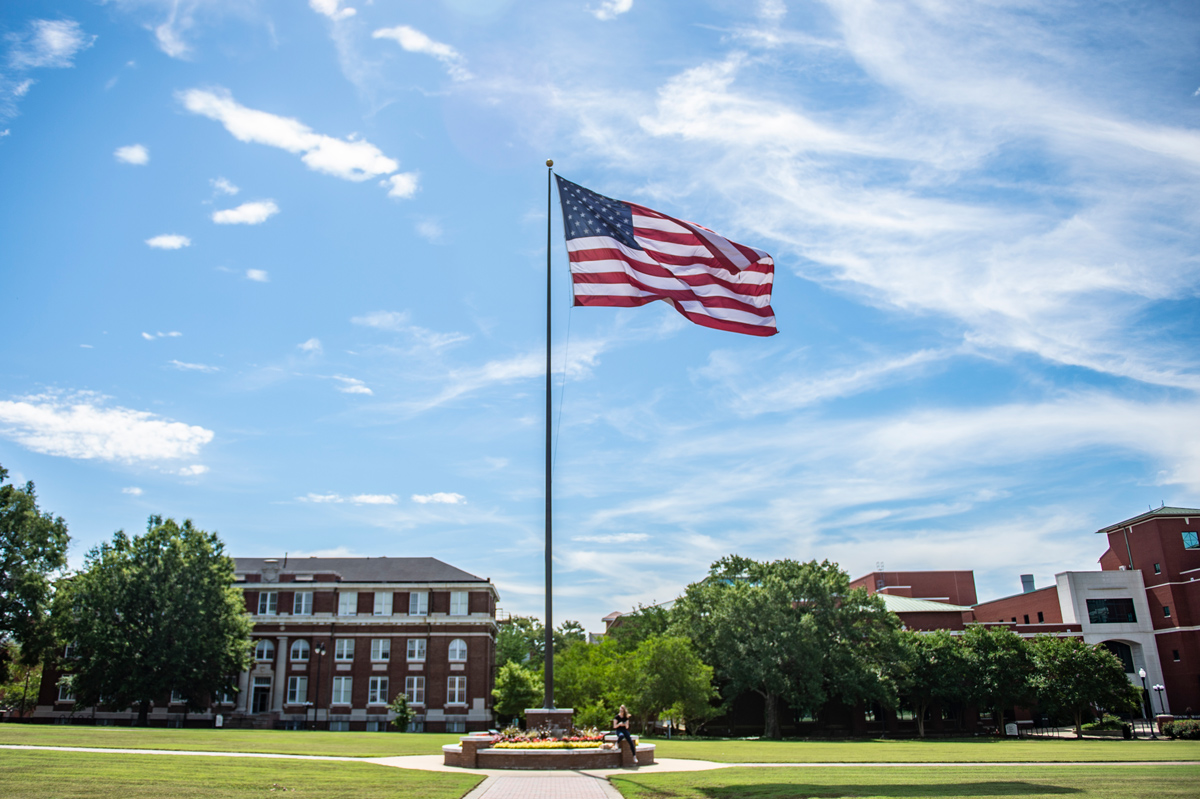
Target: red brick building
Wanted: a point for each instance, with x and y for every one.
(336, 639)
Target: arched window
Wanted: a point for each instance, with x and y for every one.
(264, 649)
(300, 650)
(1124, 653)
(458, 650)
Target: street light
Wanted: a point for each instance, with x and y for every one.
(319, 650)
(1146, 693)
(1158, 689)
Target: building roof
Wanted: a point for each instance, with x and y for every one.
(366, 570)
(1164, 511)
(904, 604)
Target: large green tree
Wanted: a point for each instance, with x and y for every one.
(153, 614)
(664, 677)
(517, 688)
(33, 546)
(789, 631)
(929, 671)
(521, 639)
(999, 669)
(586, 679)
(638, 625)
(19, 695)
(1071, 677)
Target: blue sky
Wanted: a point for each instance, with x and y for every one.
(279, 267)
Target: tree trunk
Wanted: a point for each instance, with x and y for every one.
(921, 719)
(771, 716)
(143, 719)
(998, 717)
(1078, 723)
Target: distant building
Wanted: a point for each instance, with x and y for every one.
(385, 626)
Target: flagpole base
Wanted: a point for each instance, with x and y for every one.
(559, 720)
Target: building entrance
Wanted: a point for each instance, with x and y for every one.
(260, 699)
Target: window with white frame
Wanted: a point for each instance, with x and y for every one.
(268, 603)
(456, 691)
(69, 651)
(341, 690)
(225, 697)
(383, 603)
(300, 649)
(343, 649)
(65, 694)
(381, 649)
(458, 603)
(416, 649)
(302, 603)
(177, 698)
(297, 692)
(458, 650)
(348, 603)
(377, 690)
(264, 649)
(414, 690)
(418, 603)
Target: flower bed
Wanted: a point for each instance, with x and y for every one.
(549, 744)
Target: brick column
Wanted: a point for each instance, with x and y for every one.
(279, 685)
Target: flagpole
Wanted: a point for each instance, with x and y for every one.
(549, 669)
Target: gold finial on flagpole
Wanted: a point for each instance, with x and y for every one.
(549, 162)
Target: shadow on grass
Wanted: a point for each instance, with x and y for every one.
(784, 790)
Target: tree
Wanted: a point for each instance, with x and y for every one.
(517, 688)
(585, 679)
(664, 676)
(154, 614)
(569, 632)
(639, 625)
(402, 714)
(929, 671)
(1071, 676)
(19, 695)
(999, 668)
(521, 639)
(788, 631)
(33, 545)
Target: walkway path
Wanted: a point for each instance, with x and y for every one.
(573, 784)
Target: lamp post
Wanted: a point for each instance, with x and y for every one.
(319, 650)
(1146, 694)
(1162, 707)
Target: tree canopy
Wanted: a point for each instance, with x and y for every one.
(153, 614)
(517, 688)
(999, 666)
(1070, 677)
(33, 546)
(929, 671)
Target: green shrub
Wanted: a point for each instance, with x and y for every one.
(1107, 722)
(1187, 729)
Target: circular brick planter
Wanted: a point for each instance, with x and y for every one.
(476, 752)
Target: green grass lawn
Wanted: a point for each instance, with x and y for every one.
(1089, 782)
(66, 775)
(964, 750)
(287, 742)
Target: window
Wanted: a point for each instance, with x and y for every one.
(302, 603)
(458, 650)
(1041, 618)
(381, 648)
(414, 690)
(1027, 618)
(418, 603)
(264, 649)
(297, 690)
(1175, 654)
(65, 694)
(68, 651)
(377, 691)
(300, 650)
(339, 726)
(1158, 568)
(383, 603)
(225, 697)
(343, 649)
(177, 698)
(416, 649)
(267, 603)
(341, 690)
(1166, 611)
(1111, 611)
(1191, 541)
(456, 691)
(348, 603)
(458, 603)
(1123, 653)
(456, 726)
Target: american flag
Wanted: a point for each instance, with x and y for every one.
(625, 255)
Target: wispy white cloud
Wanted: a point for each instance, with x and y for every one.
(81, 426)
(223, 186)
(169, 241)
(612, 538)
(331, 9)
(439, 498)
(399, 322)
(258, 275)
(353, 499)
(414, 41)
(47, 43)
(352, 385)
(430, 230)
(252, 213)
(133, 491)
(313, 346)
(193, 367)
(195, 470)
(136, 154)
(610, 9)
(160, 334)
(349, 159)
(402, 186)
